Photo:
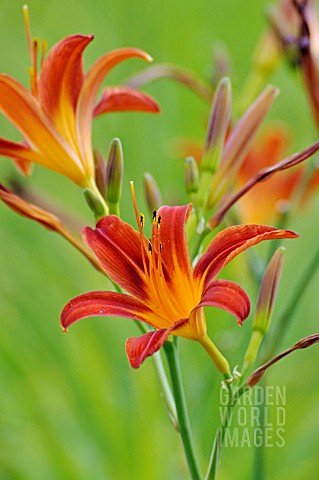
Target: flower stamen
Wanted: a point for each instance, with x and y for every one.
(33, 47)
(27, 26)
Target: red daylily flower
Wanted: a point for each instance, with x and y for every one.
(163, 289)
(56, 118)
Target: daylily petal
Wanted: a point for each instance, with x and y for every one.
(28, 117)
(196, 328)
(95, 304)
(175, 252)
(26, 209)
(229, 296)
(22, 155)
(229, 243)
(139, 348)
(117, 246)
(119, 99)
(64, 62)
(60, 83)
(90, 87)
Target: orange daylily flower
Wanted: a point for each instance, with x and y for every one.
(163, 289)
(56, 117)
(264, 201)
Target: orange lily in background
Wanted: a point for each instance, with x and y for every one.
(164, 290)
(265, 201)
(56, 118)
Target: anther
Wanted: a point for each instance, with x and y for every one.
(159, 218)
(154, 215)
(161, 247)
(142, 220)
(149, 247)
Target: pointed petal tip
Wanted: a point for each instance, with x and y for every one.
(148, 57)
(66, 39)
(139, 348)
(287, 234)
(121, 99)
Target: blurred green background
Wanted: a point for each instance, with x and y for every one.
(70, 405)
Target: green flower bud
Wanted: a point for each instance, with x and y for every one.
(99, 167)
(114, 176)
(95, 202)
(265, 306)
(191, 176)
(239, 143)
(215, 139)
(217, 127)
(152, 193)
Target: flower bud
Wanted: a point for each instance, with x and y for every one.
(100, 174)
(114, 176)
(215, 139)
(152, 193)
(265, 306)
(239, 143)
(191, 175)
(268, 291)
(217, 127)
(94, 201)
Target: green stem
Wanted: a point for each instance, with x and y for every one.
(114, 208)
(259, 458)
(251, 352)
(197, 242)
(182, 414)
(166, 389)
(218, 444)
(220, 434)
(163, 380)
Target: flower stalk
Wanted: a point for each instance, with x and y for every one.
(182, 413)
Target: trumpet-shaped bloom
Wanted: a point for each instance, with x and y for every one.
(56, 118)
(163, 289)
